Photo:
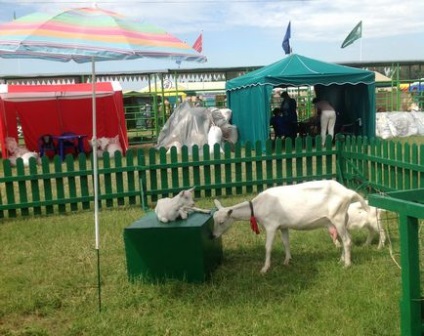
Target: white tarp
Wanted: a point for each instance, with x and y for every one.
(399, 124)
(189, 126)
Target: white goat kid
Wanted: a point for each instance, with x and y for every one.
(169, 209)
(304, 206)
(110, 145)
(359, 218)
(215, 137)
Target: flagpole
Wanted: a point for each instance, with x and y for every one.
(360, 50)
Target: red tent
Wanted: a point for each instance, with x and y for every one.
(55, 109)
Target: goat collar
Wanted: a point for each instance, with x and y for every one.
(253, 223)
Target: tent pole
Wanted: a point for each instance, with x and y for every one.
(95, 175)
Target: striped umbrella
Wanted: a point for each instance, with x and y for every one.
(82, 34)
(90, 35)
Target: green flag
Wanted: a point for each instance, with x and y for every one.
(355, 34)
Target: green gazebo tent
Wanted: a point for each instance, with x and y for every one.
(350, 90)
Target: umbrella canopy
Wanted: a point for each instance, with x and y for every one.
(90, 35)
(82, 34)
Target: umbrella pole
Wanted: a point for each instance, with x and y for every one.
(95, 175)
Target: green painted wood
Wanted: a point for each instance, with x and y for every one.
(259, 167)
(47, 183)
(249, 167)
(22, 198)
(153, 175)
(84, 182)
(185, 158)
(119, 176)
(10, 190)
(60, 188)
(196, 170)
(175, 179)
(228, 170)
(289, 160)
(107, 180)
(131, 181)
(269, 164)
(207, 175)
(238, 169)
(72, 187)
(409, 205)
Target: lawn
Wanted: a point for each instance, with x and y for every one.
(48, 284)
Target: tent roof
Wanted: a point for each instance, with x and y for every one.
(297, 70)
(18, 93)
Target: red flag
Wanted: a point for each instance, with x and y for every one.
(198, 44)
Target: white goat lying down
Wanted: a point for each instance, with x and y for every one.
(16, 151)
(304, 206)
(359, 218)
(169, 209)
(110, 145)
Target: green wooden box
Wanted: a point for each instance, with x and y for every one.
(182, 249)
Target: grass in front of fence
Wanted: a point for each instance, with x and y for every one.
(48, 284)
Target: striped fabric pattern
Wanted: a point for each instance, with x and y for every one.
(82, 34)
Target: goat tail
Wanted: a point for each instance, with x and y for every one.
(358, 198)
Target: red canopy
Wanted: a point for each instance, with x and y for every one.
(54, 109)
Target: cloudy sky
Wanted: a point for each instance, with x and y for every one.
(249, 33)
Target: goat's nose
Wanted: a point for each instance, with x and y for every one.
(211, 236)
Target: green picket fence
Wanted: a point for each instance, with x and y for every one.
(141, 177)
(144, 176)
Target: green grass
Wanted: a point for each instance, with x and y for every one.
(48, 280)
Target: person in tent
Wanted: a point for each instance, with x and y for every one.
(327, 115)
(289, 112)
(277, 123)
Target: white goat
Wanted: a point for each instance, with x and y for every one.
(110, 145)
(215, 136)
(304, 206)
(169, 209)
(17, 151)
(359, 218)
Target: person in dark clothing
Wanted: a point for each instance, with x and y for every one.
(289, 112)
(277, 123)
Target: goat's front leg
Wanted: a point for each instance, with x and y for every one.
(183, 213)
(286, 244)
(270, 234)
(371, 235)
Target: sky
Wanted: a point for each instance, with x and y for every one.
(238, 33)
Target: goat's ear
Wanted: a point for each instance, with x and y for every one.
(229, 212)
(191, 189)
(218, 204)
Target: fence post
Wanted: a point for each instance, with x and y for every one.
(340, 161)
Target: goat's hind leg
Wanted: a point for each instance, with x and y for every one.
(286, 244)
(270, 234)
(347, 244)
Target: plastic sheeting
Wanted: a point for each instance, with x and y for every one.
(189, 126)
(399, 124)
